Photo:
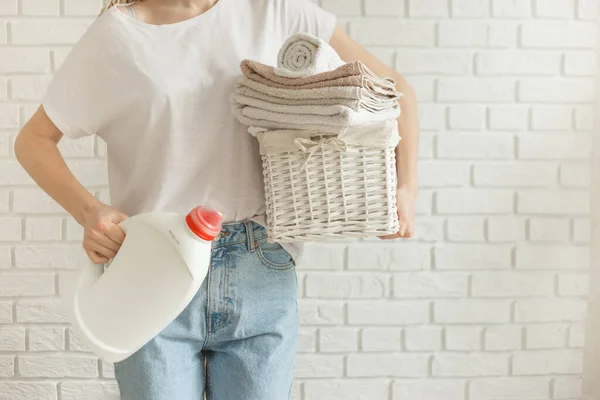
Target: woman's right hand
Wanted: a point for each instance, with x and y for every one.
(102, 235)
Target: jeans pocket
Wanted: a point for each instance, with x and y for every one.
(273, 256)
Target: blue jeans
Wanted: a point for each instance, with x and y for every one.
(236, 340)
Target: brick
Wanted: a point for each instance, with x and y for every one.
(425, 202)
(576, 175)
(9, 116)
(8, 7)
(320, 312)
(475, 146)
(558, 34)
(107, 370)
(512, 284)
(552, 257)
(551, 118)
(521, 174)
(47, 32)
(307, 338)
(3, 87)
(467, 117)
(12, 173)
(34, 201)
(16, 284)
(59, 56)
(552, 90)
(443, 174)
(3, 33)
(322, 257)
(87, 8)
(384, 8)
(319, 366)
(510, 388)
(29, 87)
(547, 362)
(567, 387)
(345, 390)
(388, 313)
(19, 390)
(5, 257)
(74, 233)
(338, 340)
(381, 339)
(10, 229)
(573, 285)
(428, 8)
(343, 8)
(518, 63)
(335, 286)
(503, 338)
(440, 62)
(88, 390)
(584, 118)
(471, 311)
(580, 64)
(556, 9)
(40, 7)
(545, 336)
(470, 8)
(550, 310)
(58, 366)
(463, 338)
(472, 256)
(46, 339)
(430, 390)
(20, 60)
(43, 229)
(511, 8)
(470, 365)
(476, 90)
(430, 285)
(587, 9)
(393, 32)
(581, 230)
(423, 338)
(74, 343)
(6, 312)
(549, 229)
(465, 229)
(40, 311)
(553, 202)
(12, 339)
(50, 256)
(509, 117)
(396, 365)
(577, 336)
(7, 366)
(470, 34)
(432, 116)
(398, 256)
(4, 195)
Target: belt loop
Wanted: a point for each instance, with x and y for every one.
(250, 236)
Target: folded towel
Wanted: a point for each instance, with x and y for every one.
(311, 108)
(351, 74)
(333, 92)
(354, 104)
(303, 55)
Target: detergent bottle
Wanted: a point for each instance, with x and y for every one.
(115, 310)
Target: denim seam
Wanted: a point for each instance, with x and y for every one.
(256, 238)
(270, 265)
(223, 308)
(208, 322)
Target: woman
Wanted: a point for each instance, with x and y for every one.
(153, 80)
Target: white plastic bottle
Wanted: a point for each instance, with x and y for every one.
(156, 273)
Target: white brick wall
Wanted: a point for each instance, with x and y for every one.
(487, 302)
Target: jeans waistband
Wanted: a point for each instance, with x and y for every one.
(247, 232)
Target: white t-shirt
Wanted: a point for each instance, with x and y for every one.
(158, 95)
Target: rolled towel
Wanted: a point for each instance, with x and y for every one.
(351, 74)
(304, 55)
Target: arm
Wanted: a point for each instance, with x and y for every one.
(408, 124)
(36, 149)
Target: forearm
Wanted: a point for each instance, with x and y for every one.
(40, 157)
(408, 148)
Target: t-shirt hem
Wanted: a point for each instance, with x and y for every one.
(59, 122)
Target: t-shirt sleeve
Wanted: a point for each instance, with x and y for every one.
(74, 98)
(306, 17)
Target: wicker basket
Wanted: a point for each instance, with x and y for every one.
(327, 188)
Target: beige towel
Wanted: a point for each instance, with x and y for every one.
(334, 92)
(373, 105)
(350, 74)
(304, 54)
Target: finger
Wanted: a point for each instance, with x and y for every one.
(409, 232)
(96, 258)
(115, 233)
(100, 249)
(104, 240)
(402, 230)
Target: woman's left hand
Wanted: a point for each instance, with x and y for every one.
(405, 201)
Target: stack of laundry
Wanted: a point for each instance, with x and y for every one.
(312, 89)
